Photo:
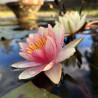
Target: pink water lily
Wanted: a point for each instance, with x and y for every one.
(44, 52)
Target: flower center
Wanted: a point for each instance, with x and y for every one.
(38, 44)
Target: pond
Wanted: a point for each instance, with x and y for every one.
(82, 66)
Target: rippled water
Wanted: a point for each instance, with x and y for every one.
(83, 66)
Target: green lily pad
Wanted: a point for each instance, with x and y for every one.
(29, 90)
(8, 33)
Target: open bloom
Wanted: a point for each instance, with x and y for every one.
(44, 52)
(72, 22)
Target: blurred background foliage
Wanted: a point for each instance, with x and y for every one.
(91, 7)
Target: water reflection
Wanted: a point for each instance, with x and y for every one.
(75, 60)
(25, 12)
(6, 47)
(82, 74)
(8, 80)
(9, 50)
(92, 58)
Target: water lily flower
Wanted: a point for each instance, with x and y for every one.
(44, 52)
(72, 22)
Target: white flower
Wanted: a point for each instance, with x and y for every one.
(72, 22)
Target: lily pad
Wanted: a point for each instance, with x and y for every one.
(9, 33)
(29, 90)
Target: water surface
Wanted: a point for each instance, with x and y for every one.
(82, 66)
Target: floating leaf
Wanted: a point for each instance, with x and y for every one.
(71, 79)
(49, 95)
(29, 90)
(11, 34)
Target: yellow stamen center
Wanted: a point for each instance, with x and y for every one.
(38, 44)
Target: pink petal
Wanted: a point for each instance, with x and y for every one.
(65, 54)
(23, 46)
(25, 64)
(26, 56)
(51, 32)
(29, 40)
(32, 40)
(39, 55)
(54, 74)
(50, 48)
(47, 31)
(31, 72)
(49, 66)
(59, 35)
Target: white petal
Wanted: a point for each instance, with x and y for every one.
(66, 27)
(30, 72)
(25, 64)
(23, 45)
(54, 74)
(59, 36)
(56, 27)
(83, 20)
(48, 66)
(41, 30)
(71, 26)
(65, 54)
(31, 35)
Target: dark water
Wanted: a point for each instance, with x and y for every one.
(83, 66)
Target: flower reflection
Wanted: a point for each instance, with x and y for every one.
(5, 46)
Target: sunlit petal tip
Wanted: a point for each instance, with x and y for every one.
(49, 26)
(22, 76)
(48, 66)
(31, 72)
(78, 41)
(25, 64)
(41, 30)
(31, 35)
(14, 65)
(21, 44)
(54, 74)
(18, 64)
